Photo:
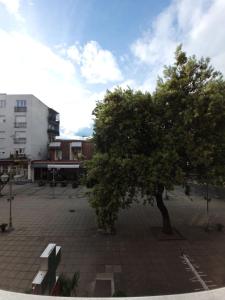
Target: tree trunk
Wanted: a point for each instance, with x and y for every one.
(167, 228)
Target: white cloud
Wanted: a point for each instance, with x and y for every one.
(97, 65)
(28, 66)
(155, 45)
(197, 24)
(13, 6)
(73, 52)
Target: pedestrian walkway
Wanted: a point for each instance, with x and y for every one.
(139, 263)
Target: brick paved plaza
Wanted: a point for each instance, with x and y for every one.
(140, 259)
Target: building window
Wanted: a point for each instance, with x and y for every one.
(20, 122)
(21, 134)
(76, 153)
(20, 137)
(21, 103)
(20, 140)
(58, 154)
(2, 103)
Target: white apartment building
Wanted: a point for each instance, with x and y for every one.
(27, 125)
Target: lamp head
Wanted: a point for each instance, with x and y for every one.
(4, 178)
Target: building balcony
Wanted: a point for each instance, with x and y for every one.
(21, 156)
(18, 156)
(20, 125)
(53, 116)
(20, 140)
(52, 120)
(54, 131)
(20, 109)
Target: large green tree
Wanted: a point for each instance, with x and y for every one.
(133, 159)
(191, 101)
(147, 143)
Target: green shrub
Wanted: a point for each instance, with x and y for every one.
(69, 286)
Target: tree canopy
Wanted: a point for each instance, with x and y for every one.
(147, 142)
(191, 99)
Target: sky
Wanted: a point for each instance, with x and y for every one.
(69, 52)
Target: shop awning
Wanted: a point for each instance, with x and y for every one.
(62, 166)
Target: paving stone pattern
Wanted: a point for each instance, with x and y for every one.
(141, 263)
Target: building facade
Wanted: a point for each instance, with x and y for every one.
(27, 126)
(66, 157)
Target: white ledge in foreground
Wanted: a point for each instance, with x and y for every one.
(217, 294)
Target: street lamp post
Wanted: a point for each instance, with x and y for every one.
(4, 179)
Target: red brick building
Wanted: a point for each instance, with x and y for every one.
(66, 160)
